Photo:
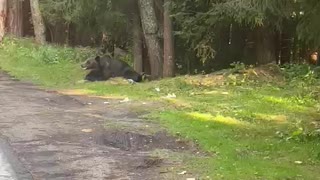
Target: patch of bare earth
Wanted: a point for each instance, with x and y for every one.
(58, 136)
(265, 73)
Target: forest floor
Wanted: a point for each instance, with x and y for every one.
(242, 123)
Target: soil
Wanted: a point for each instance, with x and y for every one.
(56, 136)
(265, 73)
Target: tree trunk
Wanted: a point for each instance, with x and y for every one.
(146, 67)
(295, 50)
(223, 57)
(265, 46)
(137, 43)
(27, 20)
(150, 29)
(168, 47)
(15, 18)
(3, 17)
(238, 43)
(38, 24)
(58, 33)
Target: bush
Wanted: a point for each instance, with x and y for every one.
(48, 54)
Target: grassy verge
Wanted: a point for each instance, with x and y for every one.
(255, 130)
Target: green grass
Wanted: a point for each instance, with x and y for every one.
(254, 131)
(250, 140)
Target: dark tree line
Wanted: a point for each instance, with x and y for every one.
(167, 37)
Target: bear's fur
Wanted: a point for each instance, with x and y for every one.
(94, 75)
(104, 68)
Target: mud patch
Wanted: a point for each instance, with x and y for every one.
(130, 141)
(150, 162)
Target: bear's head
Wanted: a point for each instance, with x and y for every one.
(92, 63)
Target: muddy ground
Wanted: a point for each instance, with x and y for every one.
(55, 136)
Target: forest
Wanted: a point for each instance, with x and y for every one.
(165, 38)
(238, 78)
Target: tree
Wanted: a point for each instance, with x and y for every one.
(88, 20)
(38, 24)
(309, 25)
(137, 46)
(150, 30)
(208, 35)
(15, 17)
(168, 46)
(3, 18)
(265, 45)
(137, 43)
(200, 22)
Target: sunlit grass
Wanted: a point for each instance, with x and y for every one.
(243, 152)
(218, 118)
(274, 118)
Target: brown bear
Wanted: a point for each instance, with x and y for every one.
(104, 68)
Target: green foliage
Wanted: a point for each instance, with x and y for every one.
(200, 26)
(199, 22)
(305, 74)
(309, 26)
(45, 65)
(45, 54)
(252, 131)
(57, 11)
(128, 58)
(238, 66)
(91, 17)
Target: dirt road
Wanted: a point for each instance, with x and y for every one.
(54, 136)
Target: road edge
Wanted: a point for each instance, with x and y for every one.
(20, 172)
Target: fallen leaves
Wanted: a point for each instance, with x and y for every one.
(182, 173)
(298, 162)
(87, 130)
(125, 100)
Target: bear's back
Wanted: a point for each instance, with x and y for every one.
(117, 67)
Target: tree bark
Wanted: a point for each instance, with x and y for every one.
(3, 18)
(27, 20)
(168, 46)
(265, 46)
(150, 30)
(137, 43)
(38, 24)
(146, 67)
(15, 18)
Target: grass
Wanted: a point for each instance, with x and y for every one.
(250, 140)
(254, 130)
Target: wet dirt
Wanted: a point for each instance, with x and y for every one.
(57, 136)
(129, 141)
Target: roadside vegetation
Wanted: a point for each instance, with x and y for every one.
(255, 123)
